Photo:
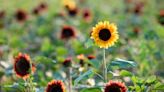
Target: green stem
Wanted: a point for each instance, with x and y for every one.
(104, 67)
(70, 79)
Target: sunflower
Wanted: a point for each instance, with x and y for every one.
(67, 62)
(71, 7)
(67, 32)
(81, 57)
(69, 4)
(21, 15)
(2, 14)
(90, 57)
(161, 17)
(22, 66)
(55, 86)
(105, 34)
(86, 14)
(114, 86)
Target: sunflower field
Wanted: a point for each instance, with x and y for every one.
(81, 45)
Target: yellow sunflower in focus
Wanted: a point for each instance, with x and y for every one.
(105, 34)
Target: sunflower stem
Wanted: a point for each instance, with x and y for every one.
(70, 79)
(104, 67)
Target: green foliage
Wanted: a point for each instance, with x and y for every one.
(123, 63)
(91, 90)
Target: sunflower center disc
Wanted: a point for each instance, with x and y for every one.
(56, 88)
(114, 89)
(104, 34)
(23, 66)
(67, 33)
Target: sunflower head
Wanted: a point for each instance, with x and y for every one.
(36, 11)
(114, 86)
(67, 32)
(138, 9)
(43, 6)
(67, 62)
(161, 17)
(86, 14)
(105, 34)
(90, 57)
(2, 14)
(71, 7)
(55, 86)
(81, 57)
(21, 15)
(22, 66)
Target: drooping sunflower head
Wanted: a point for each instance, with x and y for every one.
(105, 34)
(115, 86)
(67, 32)
(22, 66)
(21, 15)
(55, 86)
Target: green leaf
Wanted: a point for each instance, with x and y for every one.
(124, 73)
(84, 76)
(91, 90)
(1, 73)
(89, 43)
(43, 59)
(151, 79)
(159, 86)
(123, 63)
(95, 63)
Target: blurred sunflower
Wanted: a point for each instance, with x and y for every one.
(55, 86)
(113, 86)
(22, 66)
(67, 32)
(161, 17)
(40, 8)
(105, 34)
(67, 62)
(21, 15)
(2, 14)
(87, 15)
(71, 7)
(81, 57)
(90, 57)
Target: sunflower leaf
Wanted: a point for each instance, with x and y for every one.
(91, 90)
(89, 43)
(84, 76)
(123, 63)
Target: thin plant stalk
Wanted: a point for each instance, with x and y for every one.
(104, 67)
(70, 79)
